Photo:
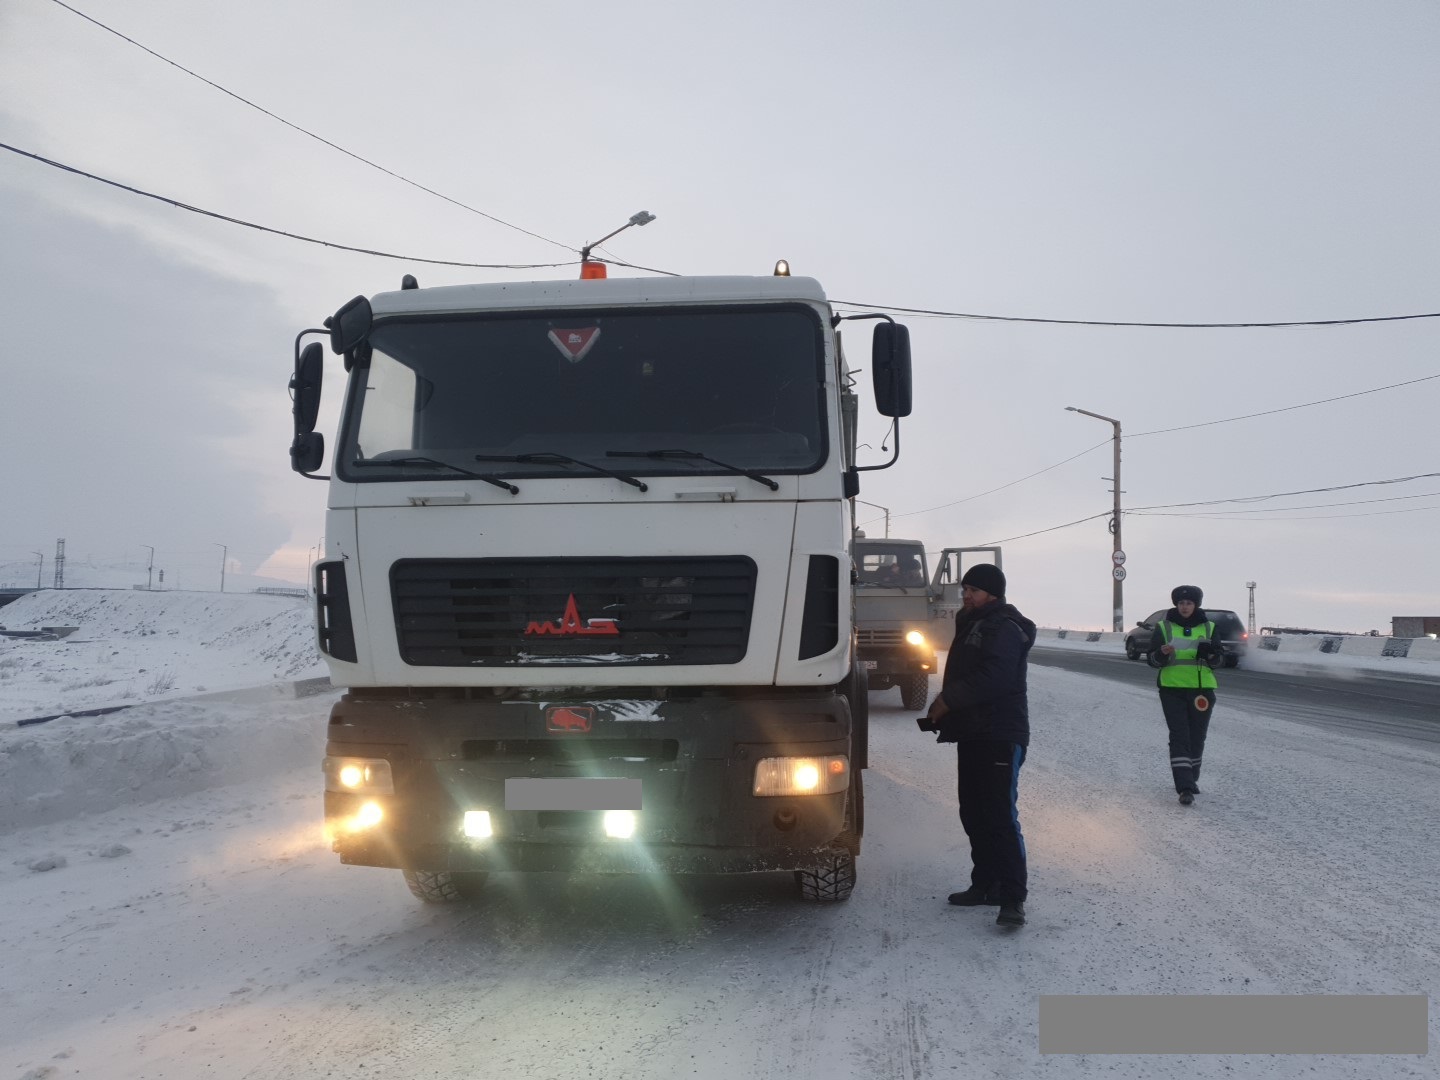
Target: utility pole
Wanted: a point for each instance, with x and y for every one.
(224, 558)
(59, 564)
(1117, 552)
(149, 570)
(40, 570)
(1251, 586)
(862, 502)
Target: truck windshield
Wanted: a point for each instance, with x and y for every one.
(890, 564)
(520, 392)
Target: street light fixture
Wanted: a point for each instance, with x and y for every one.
(642, 217)
(1117, 556)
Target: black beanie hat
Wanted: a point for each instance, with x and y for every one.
(1186, 592)
(985, 576)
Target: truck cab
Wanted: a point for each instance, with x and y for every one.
(587, 579)
(892, 617)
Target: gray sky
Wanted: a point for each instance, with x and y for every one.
(1213, 162)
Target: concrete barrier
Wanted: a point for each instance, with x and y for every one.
(1352, 647)
(1424, 648)
(1363, 646)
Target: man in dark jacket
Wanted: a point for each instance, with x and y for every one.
(1185, 647)
(982, 708)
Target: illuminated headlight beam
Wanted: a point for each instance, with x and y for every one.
(801, 775)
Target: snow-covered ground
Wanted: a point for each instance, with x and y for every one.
(172, 910)
(143, 646)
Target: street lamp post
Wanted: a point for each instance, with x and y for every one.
(1117, 570)
(1251, 586)
(149, 570)
(224, 558)
(862, 502)
(40, 569)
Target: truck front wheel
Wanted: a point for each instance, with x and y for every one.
(441, 887)
(915, 691)
(835, 880)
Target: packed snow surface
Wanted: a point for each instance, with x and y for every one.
(172, 909)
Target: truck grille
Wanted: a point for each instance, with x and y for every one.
(602, 612)
(880, 638)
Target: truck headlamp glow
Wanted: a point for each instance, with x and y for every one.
(914, 637)
(802, 775)
(359, 776)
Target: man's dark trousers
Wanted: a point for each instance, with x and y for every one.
(989, 783)
(1188, 726)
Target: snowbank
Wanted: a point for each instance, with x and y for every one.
(144, 646)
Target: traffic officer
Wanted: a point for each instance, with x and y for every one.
(1185, 648)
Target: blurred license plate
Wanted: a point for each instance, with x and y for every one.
(870, 665)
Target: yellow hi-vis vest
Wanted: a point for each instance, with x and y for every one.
(1185, 670)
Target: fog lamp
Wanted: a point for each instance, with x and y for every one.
(477, 825)
(368, 817)
(620, 824)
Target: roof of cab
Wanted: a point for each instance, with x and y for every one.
(612, 292)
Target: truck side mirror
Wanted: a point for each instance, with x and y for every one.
(305, 387)
(890, 368)
(852, 483)
(307, 451)
(350, 325)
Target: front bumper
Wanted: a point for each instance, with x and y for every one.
(695, 759)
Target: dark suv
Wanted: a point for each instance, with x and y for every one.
(1228, 627)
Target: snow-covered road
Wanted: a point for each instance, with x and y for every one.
(213, 934)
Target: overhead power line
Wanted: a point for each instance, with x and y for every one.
(1286, 509)
(1002, 487)
(1117, 322)
(1053, 528)
(317, 138)
(276, 232)
(1307, 517)
(1287, 408)
(1287, 494)
(1137, 511)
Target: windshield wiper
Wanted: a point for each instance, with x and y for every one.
(437, 463)
(696, 456)
(547, 458)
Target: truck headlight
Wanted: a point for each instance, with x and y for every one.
(802, 775)
(358, 776)
(914, 637)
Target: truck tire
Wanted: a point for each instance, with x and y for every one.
(835, 880)
(915, 691)
(442, 887)
(857, 693)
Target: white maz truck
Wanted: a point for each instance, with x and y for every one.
(587, 578)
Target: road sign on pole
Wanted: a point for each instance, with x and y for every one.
(1119, 573)
(1117, 557)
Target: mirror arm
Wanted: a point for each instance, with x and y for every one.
(893, 457)
(300, 336)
